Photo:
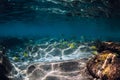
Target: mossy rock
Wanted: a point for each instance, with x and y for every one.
(111, 71)
(111, 46)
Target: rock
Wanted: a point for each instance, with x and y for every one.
(111, 46)
(30, 69)
(5, 67)
(52, 78)
(63, 70)
(105, 66)
(72, 66)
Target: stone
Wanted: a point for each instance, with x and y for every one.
(5, 67)
(69, 66)
(105, 66)
(52, 78)
(30, 69)
(46, 67)
(111, 46)
(63, 70)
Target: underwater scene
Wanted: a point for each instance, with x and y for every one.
(59, 39)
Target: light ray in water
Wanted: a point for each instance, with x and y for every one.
(48, 52)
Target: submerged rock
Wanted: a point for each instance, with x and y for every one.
(111, 46)
(105, 65)
(64, 70)
(5, 67)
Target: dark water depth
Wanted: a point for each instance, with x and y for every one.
(91, 29)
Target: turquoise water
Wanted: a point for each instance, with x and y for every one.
(89, 18)
(91, 29)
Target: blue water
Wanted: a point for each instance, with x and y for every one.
(91, 19)
(55, 30)
(91, 29)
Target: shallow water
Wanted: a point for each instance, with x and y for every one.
(46, 51)
(55, 30)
